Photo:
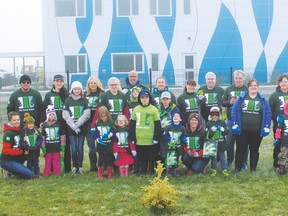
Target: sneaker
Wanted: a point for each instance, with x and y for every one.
(74, 170)
(244, 166)
(225, 172)
(213, 172)
(281, 169)
(5, 174)
(190, 173)
(80, 170)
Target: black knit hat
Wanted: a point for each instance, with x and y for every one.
(24, 77)
(58, 77)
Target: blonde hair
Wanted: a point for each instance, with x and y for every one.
(116, 80)
(98, 84)
(122, 117)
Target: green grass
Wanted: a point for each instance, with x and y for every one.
(263, 193)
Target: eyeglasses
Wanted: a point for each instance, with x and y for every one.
(26, 82)
(214, 114)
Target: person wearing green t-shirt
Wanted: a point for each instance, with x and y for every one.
(145, 131)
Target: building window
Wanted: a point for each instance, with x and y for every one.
(66, 8)
(187, 7)
(189, 66)
(125, 62)
(160, 7)
(75, 64)
(127, 7)
(155, 62)
(98, 7)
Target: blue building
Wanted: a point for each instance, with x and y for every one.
(177, 39)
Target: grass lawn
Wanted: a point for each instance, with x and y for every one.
(263, 193)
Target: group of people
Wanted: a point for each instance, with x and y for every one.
(133, 127)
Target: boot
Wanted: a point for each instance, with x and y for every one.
(121, 171)
(144, 165)
(282, 169)
(151, 169)
(136, 166)
(126, 171)
(100, 172)
(109, 170)
(93, 161)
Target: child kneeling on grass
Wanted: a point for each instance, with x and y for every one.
(54, 141)
(174, 134)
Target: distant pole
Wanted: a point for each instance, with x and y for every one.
(150, 75)
(67, 76)
(231, 79)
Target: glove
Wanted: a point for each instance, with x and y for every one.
(110, 135)
(116, 156)
(167, 137)
(134, 154)
(155, 142)
(276, 142)
(214, 128)
(44, 150)
(265, 131)
(77, 130)
(185, 140)
(92, 131)
(236, 129)
(100, 141)
(193, 153)
(201, 97)
(105, 136)
(62, 148)
(280, 119)
(222, 129)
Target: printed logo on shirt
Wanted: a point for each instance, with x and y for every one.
(104, 131)
(282, 100)
(193, 142)
(31, 140)
(236, 93)
(92, 101)
(52, 134)
(175, 139)
(56, 102)
(143, 120)
(76, 111)
(115, 105)
(251, 106)
(122, 139)
(16, 144)
(26, 103)
(211, 98)
(191, 103)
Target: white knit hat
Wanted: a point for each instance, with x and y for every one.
(50, 109)
(76, 84)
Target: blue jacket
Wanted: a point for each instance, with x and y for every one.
(237, 115)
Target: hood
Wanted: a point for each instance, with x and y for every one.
(174, 111)
(10, 127)
(150, 98)
(156, 91)
(199, 128)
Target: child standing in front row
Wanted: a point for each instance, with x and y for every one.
(217, 129)
(32, 144)
(54, 141)
(124, 151)
(104, 135)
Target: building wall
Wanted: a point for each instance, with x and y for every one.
(249, 35)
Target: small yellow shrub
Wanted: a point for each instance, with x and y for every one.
(160, 194)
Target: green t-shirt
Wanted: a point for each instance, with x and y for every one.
(145, 118)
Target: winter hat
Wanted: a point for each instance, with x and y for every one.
(165, 94)
(286, 108)
(143, 94)
(24, 78)
(28, 119)
(76, 84)
(58, 77)
(214, 109)
(50, 109)
(193, 115)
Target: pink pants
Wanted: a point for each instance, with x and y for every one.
(52, 160)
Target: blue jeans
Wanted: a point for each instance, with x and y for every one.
(17, 169)
(90, 141)
(220, 157)
(195, 164)
(231, 138)
(77, 146)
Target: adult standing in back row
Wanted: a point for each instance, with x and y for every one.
(230, 95)
(213, 95)
(159, 89)
(26, 100)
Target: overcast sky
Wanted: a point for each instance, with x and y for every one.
(20, 25)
